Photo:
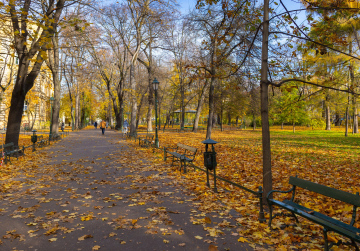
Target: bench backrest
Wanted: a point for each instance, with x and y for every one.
(188, 148)
(353, 199)
(8, 145)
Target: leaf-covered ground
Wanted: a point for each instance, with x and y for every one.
(327, 158)
(94, 192)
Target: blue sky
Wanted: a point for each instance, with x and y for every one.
(185, 5)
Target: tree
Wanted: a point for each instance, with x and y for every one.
(222, 27)
(34, 24)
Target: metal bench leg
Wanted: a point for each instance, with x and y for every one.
(326, 244)
(164, 154)
(296, 219)
(184, 166)
(354, 244)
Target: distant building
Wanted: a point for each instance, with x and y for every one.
(36, 112)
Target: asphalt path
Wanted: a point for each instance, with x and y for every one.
(94, 192)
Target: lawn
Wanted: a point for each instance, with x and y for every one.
(325, 157)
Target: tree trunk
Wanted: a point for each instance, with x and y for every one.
(293, 127)
(237, 121)
(15, 116)
(282, 125)
(199, 107)
(17, 104)
(211, 108)
(139, 114)
(151, 103)
(220, 119)
(54, 65)
(264, 91)
(347, 121)
(355, 120)
(254, 122)
(337, 120)
(133, 100)
(327, 114)
(182, 105)
(77, 109)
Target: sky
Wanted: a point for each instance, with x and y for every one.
(186, 5)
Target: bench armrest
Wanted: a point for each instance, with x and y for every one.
(166, 148)
(279, 191)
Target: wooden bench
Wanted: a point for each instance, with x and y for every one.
(10, 151)
(183, 153)
(329, 223)
(145, 140)
(41, 141)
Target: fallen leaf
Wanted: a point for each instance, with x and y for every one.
(85, 237)
(207, 220)
(213, 248)
(242, 239)
(97, 247)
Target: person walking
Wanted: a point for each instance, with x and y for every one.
(62, 126)
(126, 125)
(95, 125)
(103, 126)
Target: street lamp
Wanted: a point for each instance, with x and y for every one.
(52, 99)
(156, 86)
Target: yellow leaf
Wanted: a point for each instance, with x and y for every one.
(166, 241)
(207, 220)
(97, 247)
(198, 237)
(134, 221)
(242, 239)
(53, 239)
(85, 237)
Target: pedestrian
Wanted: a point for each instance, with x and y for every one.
(107, 124)
(126, 125)
(62, 126)
(95, 125)
(103, 126)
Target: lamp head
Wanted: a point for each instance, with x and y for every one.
(155, 84)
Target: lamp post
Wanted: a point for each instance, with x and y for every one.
(52, 99)
(156, 86)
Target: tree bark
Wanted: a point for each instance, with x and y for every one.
(264, 91)
(77, 108)
(54, 65)
(327, 114)
(133, 100)
(199, 107)
(211, 108)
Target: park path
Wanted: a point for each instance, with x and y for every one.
(94, 192)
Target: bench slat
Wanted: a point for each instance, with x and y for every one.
(189, 148)
(7, 145)
(333, 225)
(327, 191)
